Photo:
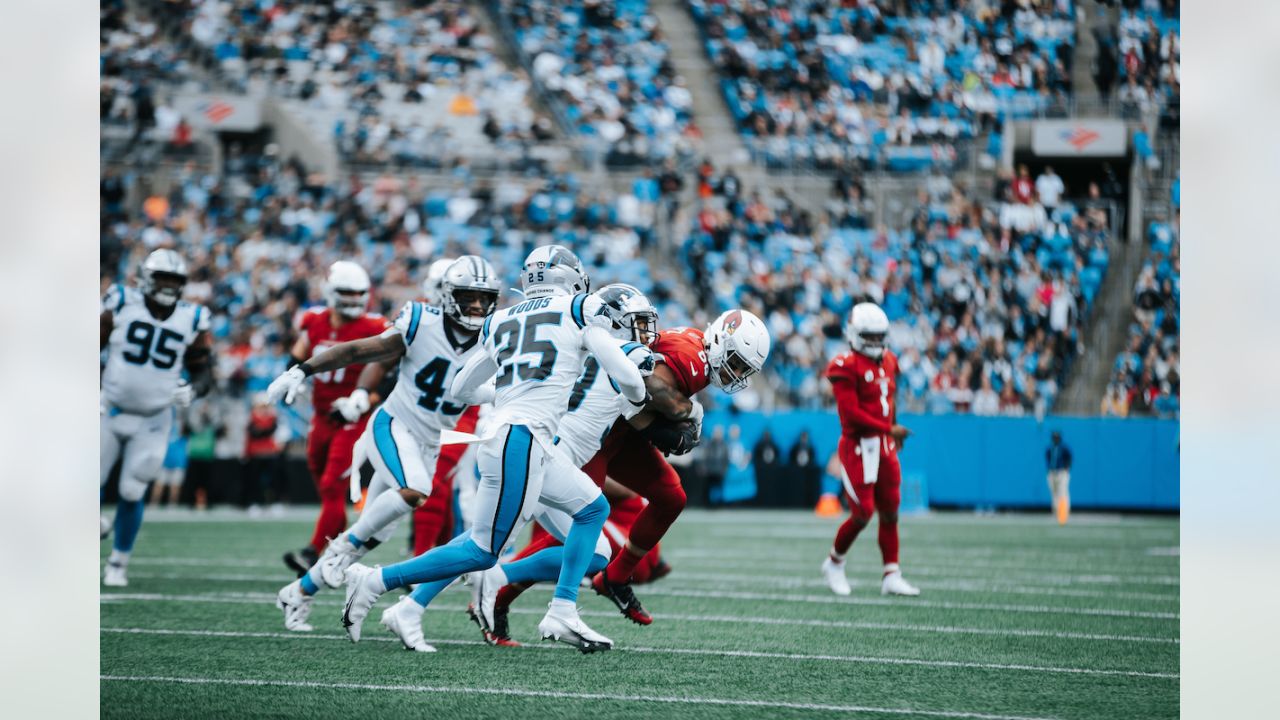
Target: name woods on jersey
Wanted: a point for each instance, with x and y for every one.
(402, 439)
(150, 337)
(537, 350)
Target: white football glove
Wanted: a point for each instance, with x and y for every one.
(183, 395)
(286, 386)
(354, 406)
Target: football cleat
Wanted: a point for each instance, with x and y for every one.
(484, 594)
(337, 557)
(500, 635)
(894, 584)
(115, 575)
(362, 592)
(565, 626)
(623, 597)
(404, 620)
(296, 607)
(833, 573)
(104, 527)
(300, 561)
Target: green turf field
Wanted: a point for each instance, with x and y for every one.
(1018, 618)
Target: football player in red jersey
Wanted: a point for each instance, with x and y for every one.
(336, 424)
(732, 349)
(864, 382)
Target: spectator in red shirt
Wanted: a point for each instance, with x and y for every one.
(1024, 189)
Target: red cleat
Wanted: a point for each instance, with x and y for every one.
(499, 636)
(623, 597)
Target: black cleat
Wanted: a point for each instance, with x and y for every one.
(500, 635)
(623, 597)
(300, 561)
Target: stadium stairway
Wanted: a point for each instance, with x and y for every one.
(1092, 17)
(1105, 332)
(720, 139)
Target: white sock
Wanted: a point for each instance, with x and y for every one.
(118, 558)
(384, 510)
(837, 558)
(560, 606)
(891, 568)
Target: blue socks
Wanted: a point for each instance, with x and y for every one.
(427, 591)
(579, 547)
(309, 586)
(546, 564)
(128, 520)
(446, 562)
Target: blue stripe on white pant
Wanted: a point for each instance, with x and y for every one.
(516, 452)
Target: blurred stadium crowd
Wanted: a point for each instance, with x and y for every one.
(988, 291)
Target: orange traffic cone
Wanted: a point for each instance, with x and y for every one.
(828, 506)
(1063, 508)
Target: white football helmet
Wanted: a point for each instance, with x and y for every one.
(431, 286)
(866, 330)
(347, 289)
(553, 270)
(737, 344)
(468, 274)
(633, 316)
(163, 264)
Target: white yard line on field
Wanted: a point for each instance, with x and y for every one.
(266, 598)
(859, 659)
(717, 560)
(559, 695)
(778, 581)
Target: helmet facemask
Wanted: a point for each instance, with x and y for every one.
(869, 343)
(349, 304)
(163, 288)
(733, 374)
(469, 307)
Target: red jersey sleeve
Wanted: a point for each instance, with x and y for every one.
(681, 350)
(855, 418)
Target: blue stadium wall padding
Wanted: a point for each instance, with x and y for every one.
(969, 461)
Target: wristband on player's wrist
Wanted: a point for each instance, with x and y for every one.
(307, 370)
(644, 401)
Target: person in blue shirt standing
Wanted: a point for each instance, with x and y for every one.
(1057, 458)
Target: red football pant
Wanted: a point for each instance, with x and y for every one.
(329, 450)
(638, 466)
(865, 499)
(433, 520)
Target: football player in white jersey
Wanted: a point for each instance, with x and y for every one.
(594, 407)
(402, 439)
(537, 349)
(151, 336)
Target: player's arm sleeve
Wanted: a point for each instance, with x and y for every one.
(198, 359)
(847, 401)
(615, 363)
(407, 323)
(469, 385)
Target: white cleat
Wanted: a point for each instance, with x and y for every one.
(364, 587)
(484, 594)
(296, 606)
(833, 573)
(335, 560)
(566, 627)
(115, 575)
(895, 584)
(104, 527)
(404, 620)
